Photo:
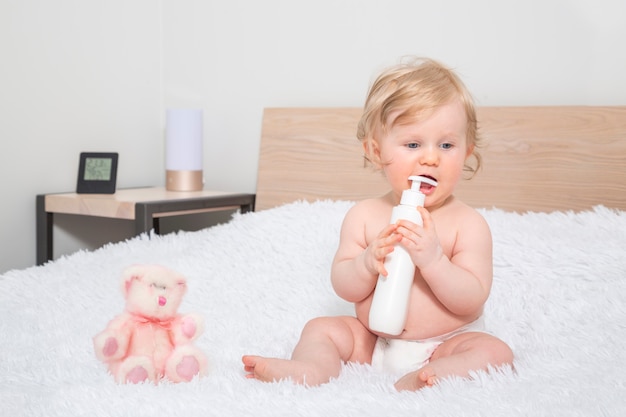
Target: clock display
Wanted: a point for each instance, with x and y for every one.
(98, 169)
(97, 173)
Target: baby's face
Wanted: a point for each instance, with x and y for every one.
(435, 147)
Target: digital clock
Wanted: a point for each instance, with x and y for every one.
(97, 173)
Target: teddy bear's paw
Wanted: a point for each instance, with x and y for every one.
(188, 327)
(136, 369)
(136, 375)
(110, 347)
(187, 368)
(185, 363)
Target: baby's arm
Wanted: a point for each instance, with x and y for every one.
(357, 264)
(462, 280)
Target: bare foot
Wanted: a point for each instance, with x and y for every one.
(273, 369)
(414, 381)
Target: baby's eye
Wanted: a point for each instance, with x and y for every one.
(447, 146)
(412, 145)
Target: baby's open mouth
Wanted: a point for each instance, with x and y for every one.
(425, 187)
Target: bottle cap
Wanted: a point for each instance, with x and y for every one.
(413, 196)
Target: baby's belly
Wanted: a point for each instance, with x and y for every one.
(427, 318)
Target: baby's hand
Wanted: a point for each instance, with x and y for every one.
(379, 248)
(421, 242)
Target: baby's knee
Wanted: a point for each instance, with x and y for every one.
(332, 327)
(320, 324)
(497, 352)
(502, 354)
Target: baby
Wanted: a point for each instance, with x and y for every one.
(418, 119)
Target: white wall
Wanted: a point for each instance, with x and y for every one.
(96, 75)
(75, 76)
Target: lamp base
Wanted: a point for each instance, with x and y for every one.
(184, 180)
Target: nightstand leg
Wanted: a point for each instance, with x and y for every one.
(144, 220)
(245, 208)
(44, 222)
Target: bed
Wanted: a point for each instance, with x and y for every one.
(553, 190)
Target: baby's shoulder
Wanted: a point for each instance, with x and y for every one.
(459, 212)
(367, 211)
(370, 206)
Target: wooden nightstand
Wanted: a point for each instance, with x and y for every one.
(145, 206)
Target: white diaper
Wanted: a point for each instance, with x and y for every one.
(401, 356)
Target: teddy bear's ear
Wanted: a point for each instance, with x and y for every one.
(135, 272)
(182, 285)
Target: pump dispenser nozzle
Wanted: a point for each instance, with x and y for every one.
(418, 180)
(413, 196)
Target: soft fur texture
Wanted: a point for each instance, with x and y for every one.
(558, 299)
(150, 340)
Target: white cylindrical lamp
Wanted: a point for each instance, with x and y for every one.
(183, 150)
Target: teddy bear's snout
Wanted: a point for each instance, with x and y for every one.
(162, 300)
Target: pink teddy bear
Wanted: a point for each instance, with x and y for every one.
(150, 341)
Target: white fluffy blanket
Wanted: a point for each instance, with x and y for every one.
(559, 300)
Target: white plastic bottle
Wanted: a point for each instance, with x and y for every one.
(390, 304)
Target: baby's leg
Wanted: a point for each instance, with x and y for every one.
(458, 356)
(324, 343)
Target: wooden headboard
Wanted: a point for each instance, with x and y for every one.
(535, 158)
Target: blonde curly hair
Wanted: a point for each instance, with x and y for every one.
(414, 89)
